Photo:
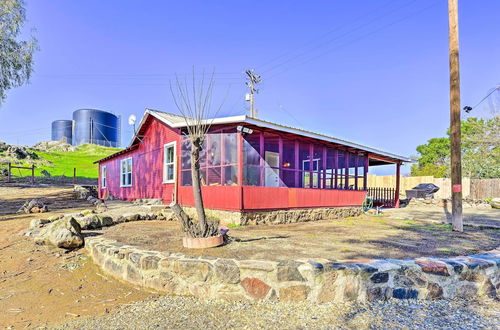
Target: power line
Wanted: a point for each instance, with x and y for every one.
(357, 39)
(469, 109)
(335, 38)
(312, 41)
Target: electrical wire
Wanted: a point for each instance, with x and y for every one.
(357, 39)
(312, 41)
(319, 46)
(484, 98)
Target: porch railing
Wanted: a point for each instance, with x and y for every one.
(383, 197)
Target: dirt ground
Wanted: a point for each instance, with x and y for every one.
(355, 238)
(476, 216)
(44, 286)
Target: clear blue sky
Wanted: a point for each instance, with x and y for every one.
(373, 72)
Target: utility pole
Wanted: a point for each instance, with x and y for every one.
(253, 79)
(455, 122)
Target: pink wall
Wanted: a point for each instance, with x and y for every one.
(147, 167)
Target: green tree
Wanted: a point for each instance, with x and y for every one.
(16, 56)
(481, 147)
(480, 151)
(433, 159)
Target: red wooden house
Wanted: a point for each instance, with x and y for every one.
(247, 164)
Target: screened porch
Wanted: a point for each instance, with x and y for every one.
(275, 160)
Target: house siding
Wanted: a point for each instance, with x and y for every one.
(147, 167)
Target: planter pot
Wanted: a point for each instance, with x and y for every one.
(202, 243)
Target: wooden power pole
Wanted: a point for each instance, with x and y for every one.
(253, 80)
(455, 122)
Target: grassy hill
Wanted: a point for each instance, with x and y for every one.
(60, 161)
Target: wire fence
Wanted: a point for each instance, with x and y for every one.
(11, 173)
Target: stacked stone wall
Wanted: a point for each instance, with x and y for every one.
(466, 203)
(298, 280)
(275, 217)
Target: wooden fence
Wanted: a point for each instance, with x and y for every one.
(471, 188)
(484, 188)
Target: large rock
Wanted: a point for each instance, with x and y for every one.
(255, 288)
(100, 206)
(38, 223)
(227, 271)
(33, 206)
(65, 233)
(95, 221)
(495, 203)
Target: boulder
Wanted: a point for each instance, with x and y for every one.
(55, 217)
(92, 199)
(130, 217)
(87, 212)
(64, 233)
(33, 206)
(95, 221)
(38, 223)
(495, 203)
(100, 206)
(81, 192)
(165, 214)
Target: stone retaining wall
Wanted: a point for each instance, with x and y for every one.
(278, 216)
(466, 203)
(313, 280)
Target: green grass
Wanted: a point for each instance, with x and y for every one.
(233, 225)
(431, 227)
(63, 163)
(82, 159)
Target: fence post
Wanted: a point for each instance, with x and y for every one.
(9, 174)
(32, 174)
(74, 175)
(398, 183)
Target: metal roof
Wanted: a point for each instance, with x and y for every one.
(177, 121)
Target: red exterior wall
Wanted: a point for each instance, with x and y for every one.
(147, 167)
(214, 197)
(256, 198)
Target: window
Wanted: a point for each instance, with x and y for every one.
(103, 177)
(169, 162)
(126, 172)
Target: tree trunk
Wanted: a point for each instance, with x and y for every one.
(196, 147)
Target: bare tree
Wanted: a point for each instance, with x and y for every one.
(194, 102)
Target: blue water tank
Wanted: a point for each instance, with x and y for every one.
(62, 130)
(97, 127)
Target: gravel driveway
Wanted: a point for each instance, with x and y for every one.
(182, 312)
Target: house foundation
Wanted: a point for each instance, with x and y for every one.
(277, 217)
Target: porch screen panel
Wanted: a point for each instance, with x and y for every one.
(272, 161)
(353, 171)
(361, 172)
(340, 169)
(317, 166)
(230, 159)
(304, 165)
(330, 168)
(218, 160)
(289, 167)
(252, 159)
